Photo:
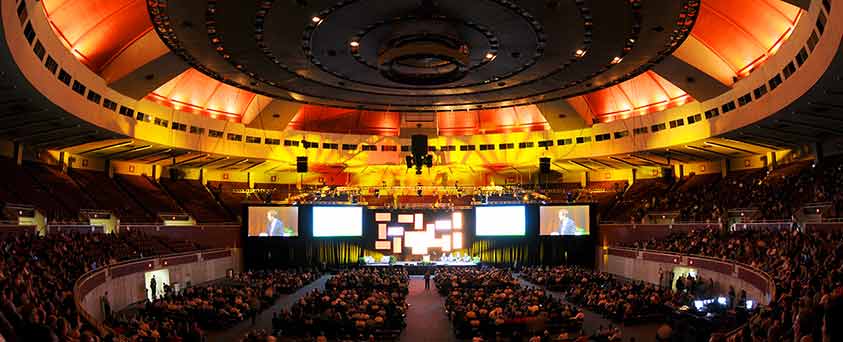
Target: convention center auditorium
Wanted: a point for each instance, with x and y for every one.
(421, 170)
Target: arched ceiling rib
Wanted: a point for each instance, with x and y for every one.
(731, 38)
(192, 91)
(96, 31)
(641, 95)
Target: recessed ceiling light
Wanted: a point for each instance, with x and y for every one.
(490, 55)
(354, 43)
(579, 53)
(616, 60)
(316, 19)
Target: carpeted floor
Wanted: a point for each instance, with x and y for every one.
(426, 320)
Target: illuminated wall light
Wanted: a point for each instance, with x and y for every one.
(443, 225)
(580, 53)
(446, 242)
(395, 231)
(457, 240)
(382, 231)
(616, 60)
(396, 245)
(419, 222)
(490, 55)
(383, 245)
(456, 220)
(316, 20)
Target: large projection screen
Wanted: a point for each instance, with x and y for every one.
(337, 221)
(274, 221)
(565, 220)
(500, 220)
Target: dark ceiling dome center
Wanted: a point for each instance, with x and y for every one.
(421, 55)
(424, 52)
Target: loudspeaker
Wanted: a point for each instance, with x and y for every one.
(419, 145)
(544, 165)
(301, 164)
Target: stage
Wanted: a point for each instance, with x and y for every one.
(421, 267)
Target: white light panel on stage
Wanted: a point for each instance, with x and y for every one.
(446, 243)
(383, 217)
(457, 240)
(457, 220)
(396, 244)
(443, 225)
(419, 224)
(405, 218)
(395, 231)
(383, 245)
(382, 231)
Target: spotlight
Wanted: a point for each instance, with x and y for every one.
(580, 53)
(617, 60)
(354, 44)
(316, 19)
(490, 55)
(721, 300)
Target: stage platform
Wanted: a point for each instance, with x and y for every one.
(421, 263)
(419, 267)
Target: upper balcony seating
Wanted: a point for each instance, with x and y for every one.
(147, 193)
(108, 196)
(230, 200)
(196, 200)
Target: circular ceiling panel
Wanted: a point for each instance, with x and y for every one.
(422, 55)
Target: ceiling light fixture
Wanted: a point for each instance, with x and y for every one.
(354, 44)
(316, 19)
(579, 53)
(617, 60)
(490, 55)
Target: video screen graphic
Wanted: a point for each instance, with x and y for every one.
(569, 220)
(274, 221)
(500, 221)
(337, 221)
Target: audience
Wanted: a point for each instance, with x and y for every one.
(490, 303)
(807, 268)
(37, 275)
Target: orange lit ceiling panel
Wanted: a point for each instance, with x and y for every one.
(348, 121)
(646, 93)
(96, 31)
(195, 92)
(503, 120)
(742, 34)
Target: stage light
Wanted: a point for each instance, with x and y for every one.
(721, 300)
(749, 304)
(699, 305)
(316, 19)
(616, 60)
(354, 44)
(580, 53)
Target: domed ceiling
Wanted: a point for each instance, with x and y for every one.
(468, 61)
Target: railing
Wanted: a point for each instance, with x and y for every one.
(104, 271)
(737, 267)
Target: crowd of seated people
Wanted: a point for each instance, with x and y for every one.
(37, 275)
(211, 307)
(489, 303)
(624, 301)
(807, 268)
(357, 304)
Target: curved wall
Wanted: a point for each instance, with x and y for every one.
(644, 265)
(775, 100)
(125, 281)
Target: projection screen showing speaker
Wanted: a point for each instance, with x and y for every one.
(570, 220)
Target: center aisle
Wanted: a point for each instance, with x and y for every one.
(426, 320)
